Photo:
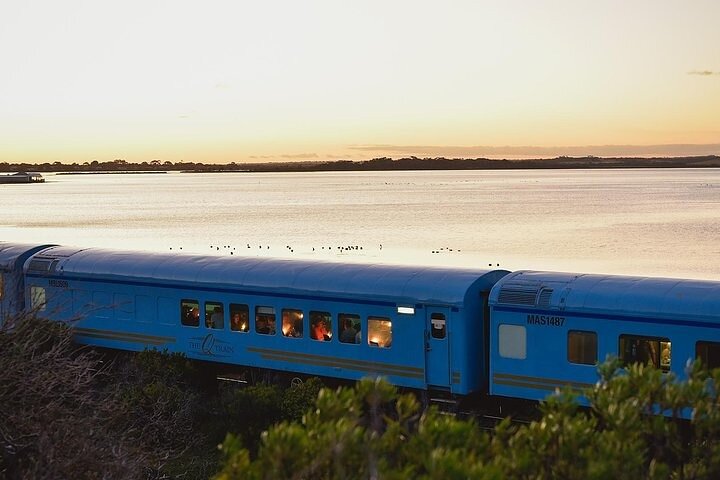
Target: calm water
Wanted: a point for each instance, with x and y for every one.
(644, 222)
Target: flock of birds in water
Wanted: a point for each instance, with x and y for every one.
(338, 249)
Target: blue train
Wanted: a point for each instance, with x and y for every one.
(455, 332)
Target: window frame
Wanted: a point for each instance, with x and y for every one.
(240, 308)
(707, 344)
(266, 315)
(38, 298)
(326, 318)
(442, 330)
(185, 313)
(582, 360)
(656, 354)
(209, 324)
(374, 323)
(356, 321)
(507, 349)
(289, 330)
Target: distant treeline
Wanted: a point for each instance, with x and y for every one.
(376, 164)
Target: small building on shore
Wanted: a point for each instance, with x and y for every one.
(22, 177)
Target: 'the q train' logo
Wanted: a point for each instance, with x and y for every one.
(211, 346)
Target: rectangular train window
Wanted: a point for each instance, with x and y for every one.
(708, 353)
(265, 320)
(292, 323)
(37, 298)
(321, 326)
(512, 341)
(655, 351)
(349, 325)
(239, 317)
(379, 332)
(582, 347)
(214, 315)
(190, 313)
(437, 320)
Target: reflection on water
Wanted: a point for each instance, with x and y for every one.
(644, 222)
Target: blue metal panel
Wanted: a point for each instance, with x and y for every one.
(683, 311)
(368, 290)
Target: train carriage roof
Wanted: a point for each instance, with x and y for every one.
(392, 283)
(11, 252)
(611, 294)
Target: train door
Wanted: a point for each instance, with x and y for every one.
(437, 351)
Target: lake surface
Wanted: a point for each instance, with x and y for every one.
(656, 222)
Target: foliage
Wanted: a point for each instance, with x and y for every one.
(73, 412)
(371, 431)
(56, 421)
(69, 413)
(160, 397)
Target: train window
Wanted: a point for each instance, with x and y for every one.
(582, 347)
(292, 323)
(349, 328)
(437, 320)
(190, 313)
(214, 315)
(708, 353)
(655, 351)
(239, 317)
(379, 332)
(512, 341)
(265, 320)
(321, 326)
(37, 298)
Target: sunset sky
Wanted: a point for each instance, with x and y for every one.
(223, 81)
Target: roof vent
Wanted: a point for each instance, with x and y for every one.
(518, 294)
(544, 297)
(42, 266)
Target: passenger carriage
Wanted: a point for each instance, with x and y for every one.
(549, 330)
(419, 327)
(12, 258)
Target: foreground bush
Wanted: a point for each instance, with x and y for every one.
(371, 431)
(69, 411)
(57, 421)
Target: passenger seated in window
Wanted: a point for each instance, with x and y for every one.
(293, 331)
(239, 322)
(319, 331)
(261, 326)
(298, 328)
(665, 356)
(217, 319)
(348, 332)
(194, 317)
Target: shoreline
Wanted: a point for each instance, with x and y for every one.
(376, 164)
